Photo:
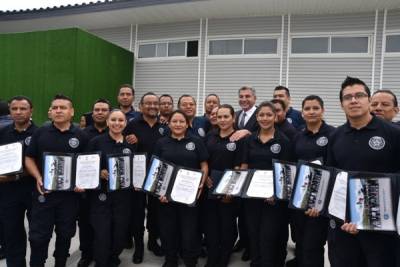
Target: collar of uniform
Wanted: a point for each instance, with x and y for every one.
(216, 133)
(71, 128)
(320, 130)
(92, 128)
(142, 120)
(109, 139)
(31, 124)
(372, 125)
(185, 138)
(290, 110)
(275, 138)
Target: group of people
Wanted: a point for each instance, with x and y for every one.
(250, 138)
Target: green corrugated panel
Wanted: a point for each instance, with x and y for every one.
(70, 61)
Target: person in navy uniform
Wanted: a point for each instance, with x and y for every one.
(110, 211)
(311, 144)
(220, 227)
(266, 219)
(179, 223)
(145, 131)
(293, 115)
(125, 98)
(384, 105)
(212, 101)
(282, 122)
(198, 125)
(55, 209)
(100, 111)
(16, 190)
(364, 143)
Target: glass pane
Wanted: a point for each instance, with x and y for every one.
(147, 50)
(393, 43)
(225, 47)
(349, 45)
(310, 45)
(176, 49)
(260, 46)
(192, 48)
(161, 50)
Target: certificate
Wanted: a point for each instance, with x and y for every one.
(87, 172)
(231, 183)
(11, 158)
(338, 200)
(284, 175)
(370, 203)
(186, 185)
(311, 187)
(57, 172)
(261, 185)
(119, 172)
(158, 177)
(138, 170)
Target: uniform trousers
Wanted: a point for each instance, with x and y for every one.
(85, 228)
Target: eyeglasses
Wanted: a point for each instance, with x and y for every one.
(357, 96)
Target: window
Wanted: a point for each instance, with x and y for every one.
(393, 43)
(169, 49)
(331, 45)
(349, 45)
(314, 45)
(260, 46)
(243, 46)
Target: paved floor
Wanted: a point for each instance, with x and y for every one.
(149, 259)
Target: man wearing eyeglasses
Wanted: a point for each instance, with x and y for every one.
(369, 144)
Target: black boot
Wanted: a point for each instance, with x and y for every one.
(85, 261)
(60, 262)
(139, 250)
(152, 245)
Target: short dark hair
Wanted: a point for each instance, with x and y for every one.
(281, 87)
(350, 81)
(61, 97)
(103, 100)
(312, 97)
(247, 87)
(182, 96)
(179, 112)
(146, 94)
(280, 102)
(389, 92)
(21, 98)
(116, 110)
(4, 108)
(227, 106)
(264, 104)
(128, 86)
(212, 95)
(167, 95)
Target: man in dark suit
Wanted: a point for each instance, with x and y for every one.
(245, 119)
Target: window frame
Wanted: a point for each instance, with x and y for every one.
(243, 38)
(391, 54)
(167, 41)
(329, 54)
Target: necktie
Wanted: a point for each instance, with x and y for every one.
(242, 120)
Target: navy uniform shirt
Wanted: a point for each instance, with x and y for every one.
(373, 148)
(132, 115)
(310, 146)
(147, 136)
(187, 152)
(48, 138)
(288, 129)
(92, 131)
(200, 127)
(224, 154)
(294, 117)
(10, 135)
(259, 155)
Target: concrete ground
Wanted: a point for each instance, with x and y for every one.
(150, 260)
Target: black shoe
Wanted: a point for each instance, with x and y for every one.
(203, 252)
(153, 246)
(60, 262)
(129, 244)
(138, 254)
(246, 255)
(291, 263)
(84, 262)
(238, 246)
(2, 253)
(170, 264)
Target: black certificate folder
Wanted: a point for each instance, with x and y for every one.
(185, 186)
(11, 158)
(57, 171)
(260, 184)
(119, 172)
(158, 177)
(231, 183)
(371, 201)
(312, 187)
(284, 176)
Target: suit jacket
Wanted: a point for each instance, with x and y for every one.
(251, 124)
